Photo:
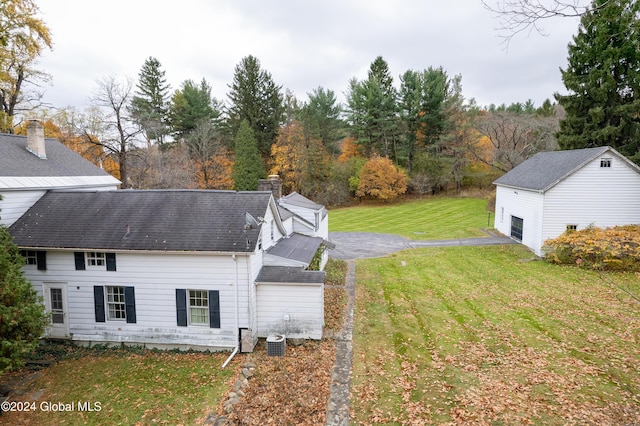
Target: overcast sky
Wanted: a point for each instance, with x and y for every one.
(303, 45)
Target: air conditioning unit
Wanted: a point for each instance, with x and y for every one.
(276, 345)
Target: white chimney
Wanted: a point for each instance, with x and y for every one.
(35, 139)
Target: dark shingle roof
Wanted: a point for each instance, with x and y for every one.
(297, 247)
(165, 220)
(287, 274)
(546, 169)
(15, 160)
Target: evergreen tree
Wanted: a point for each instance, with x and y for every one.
(422, 108)
(321, 117)
(192, 104)
(247, 167)
(372, 110)
(22, 314)
(603, 80)
(149, 105)
(256, 98)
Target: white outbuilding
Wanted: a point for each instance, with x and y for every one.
(552, 192)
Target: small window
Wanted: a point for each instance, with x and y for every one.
(198, 307)
(273, 230)
(96, 258)
(37, 258)
(605, 162)
(571, 228)
(116, 309)
(30, 257)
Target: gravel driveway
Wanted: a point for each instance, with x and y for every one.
(357, 245)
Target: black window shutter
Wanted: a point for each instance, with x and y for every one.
(181, 306)
(214, 309)
(98, 301)
(111, 261)
(130, 304)
(79, 258)
(41, 260)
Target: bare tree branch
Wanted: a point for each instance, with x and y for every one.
(526, 16)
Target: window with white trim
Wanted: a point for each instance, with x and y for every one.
(572, 228)
(116, 307)
(605, 163)
(198, 307)
(96, 258)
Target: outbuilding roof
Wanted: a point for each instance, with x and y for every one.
(158, 220)
(545, 169)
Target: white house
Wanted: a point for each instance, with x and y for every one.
(170, 268)
(555, 191)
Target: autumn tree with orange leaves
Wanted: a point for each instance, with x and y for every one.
(301, 161)
(379, 178)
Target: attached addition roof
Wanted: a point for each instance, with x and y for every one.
(289, 274)
(20, 168)
(546, 169)
(300, 248)
(157, 220)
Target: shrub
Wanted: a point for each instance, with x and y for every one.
(22, 315)
(379, 178)
(616, 248)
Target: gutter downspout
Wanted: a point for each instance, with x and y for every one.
(237, 329)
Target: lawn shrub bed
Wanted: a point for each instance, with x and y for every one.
(615, 249)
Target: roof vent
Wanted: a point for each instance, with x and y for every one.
(35, 139)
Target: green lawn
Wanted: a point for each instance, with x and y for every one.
(427, 219)
(163, 388)
(479, 335)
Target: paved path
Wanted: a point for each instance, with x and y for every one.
(355, 245)
(338, 406)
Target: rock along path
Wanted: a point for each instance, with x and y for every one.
(357, 245)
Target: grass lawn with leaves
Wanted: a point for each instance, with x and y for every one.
(425, 219)
(484, 335)
(130, 387)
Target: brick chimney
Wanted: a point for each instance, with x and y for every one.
(35, 139)
(273, 184)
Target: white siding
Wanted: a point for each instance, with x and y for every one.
(288, 225)
(155, 278)
(526, 205)
(15, 203)
(302, 304)
(595, 195)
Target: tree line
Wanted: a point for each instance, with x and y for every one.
(151, 136)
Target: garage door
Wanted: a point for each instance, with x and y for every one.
(516, 228)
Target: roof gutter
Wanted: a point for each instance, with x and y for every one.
(119, 250)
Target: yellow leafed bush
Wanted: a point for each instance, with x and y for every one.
(616, 248)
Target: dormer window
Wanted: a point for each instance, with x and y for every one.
(605, 163)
